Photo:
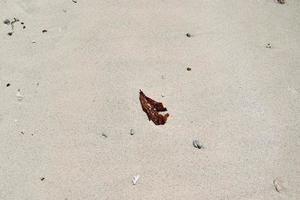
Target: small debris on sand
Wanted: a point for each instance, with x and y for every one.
(7, 21)
(135, 179)
(268, 46)
(42, 178)
(13, 22)
(188, 35)
(8, 84)
(74, 1)
(277, 185)
(197, 144)
(19, 96)
(131, 131)
(44, 31)
(188, 69)
(104, 135)
(281, 1)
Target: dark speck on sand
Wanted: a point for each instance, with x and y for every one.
(7, 21)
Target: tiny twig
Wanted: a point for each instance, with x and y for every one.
(12, 23)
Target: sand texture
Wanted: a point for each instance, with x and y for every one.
(72, 126)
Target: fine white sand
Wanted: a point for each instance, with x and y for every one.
(81, 79)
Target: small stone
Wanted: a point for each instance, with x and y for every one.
(104, 135)
(10, 33)
(24, 27)
(7, 21)
(44, 31)
(8, 84)
(268, 46)
(188, 69)
(42, 178)
(281, 1)
(197, 144)
(131, 132)
(188, 35)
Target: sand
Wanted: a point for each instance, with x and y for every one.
(79, 81)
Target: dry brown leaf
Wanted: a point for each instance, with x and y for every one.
(152, 109)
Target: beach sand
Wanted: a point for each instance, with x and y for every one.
(69, 86)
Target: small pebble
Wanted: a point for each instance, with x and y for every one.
(10, 33)
(131, 132)
(74, 1)
(7, 21)
(42, 178)
(197, 144)
(268, 46)
(8, 84)
(104, 135)
(188, 69)
(188, 35)
(44, 31)
(281, 1)
(24, 27)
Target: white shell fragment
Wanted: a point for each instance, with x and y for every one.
(277, 185)
(197, 144)
(135, 179)
(19, 96)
